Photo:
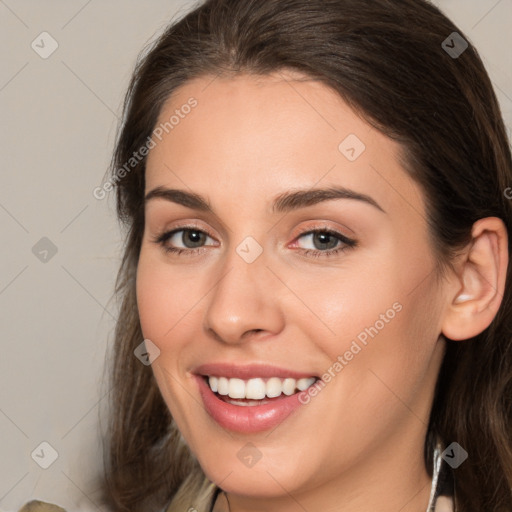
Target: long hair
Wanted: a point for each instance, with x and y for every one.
(393, 62)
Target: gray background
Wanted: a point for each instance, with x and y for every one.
(59, 119)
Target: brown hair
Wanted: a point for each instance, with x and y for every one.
(385, 59)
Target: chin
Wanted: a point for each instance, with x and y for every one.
(266, 478)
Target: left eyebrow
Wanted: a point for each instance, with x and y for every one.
(285, 202)
(303, 198)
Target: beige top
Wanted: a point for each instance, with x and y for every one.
(40, 506)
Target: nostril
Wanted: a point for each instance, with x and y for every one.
(252, 331)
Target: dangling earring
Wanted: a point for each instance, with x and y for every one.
(229, 506)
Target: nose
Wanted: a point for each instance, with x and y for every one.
(245, 301)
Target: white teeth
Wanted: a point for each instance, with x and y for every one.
(303, 384)
(236, 388)
(247, 403)
(214, 382)
(289, 386)
(255, 389)
(258, 389)
(223, 386)
(274, 387)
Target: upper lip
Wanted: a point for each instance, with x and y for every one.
(249, 371)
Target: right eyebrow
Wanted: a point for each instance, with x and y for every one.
(188, 199)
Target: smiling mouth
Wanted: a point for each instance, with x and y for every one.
(256, 391)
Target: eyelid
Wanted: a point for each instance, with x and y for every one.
(318, 225)
(315, 225)
(187, 225)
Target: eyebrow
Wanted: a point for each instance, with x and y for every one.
(286, 202)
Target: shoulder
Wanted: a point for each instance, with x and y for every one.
(40, 506)
(197, 490)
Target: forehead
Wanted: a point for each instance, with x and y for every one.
(258, 135)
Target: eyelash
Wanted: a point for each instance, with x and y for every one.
(162, 238)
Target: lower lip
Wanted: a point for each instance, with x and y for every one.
(247, 419)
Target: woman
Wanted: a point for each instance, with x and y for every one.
(278, 373)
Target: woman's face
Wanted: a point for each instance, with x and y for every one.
(257, 294)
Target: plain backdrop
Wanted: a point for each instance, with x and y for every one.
(61, 246)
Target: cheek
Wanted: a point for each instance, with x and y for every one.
(377, 326)
(164, 299)
(387, 365)
(151, 301)
(362, 295)
(342, 305)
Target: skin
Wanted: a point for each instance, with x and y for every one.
(358, 444)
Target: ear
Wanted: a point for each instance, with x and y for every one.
(478, 290)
